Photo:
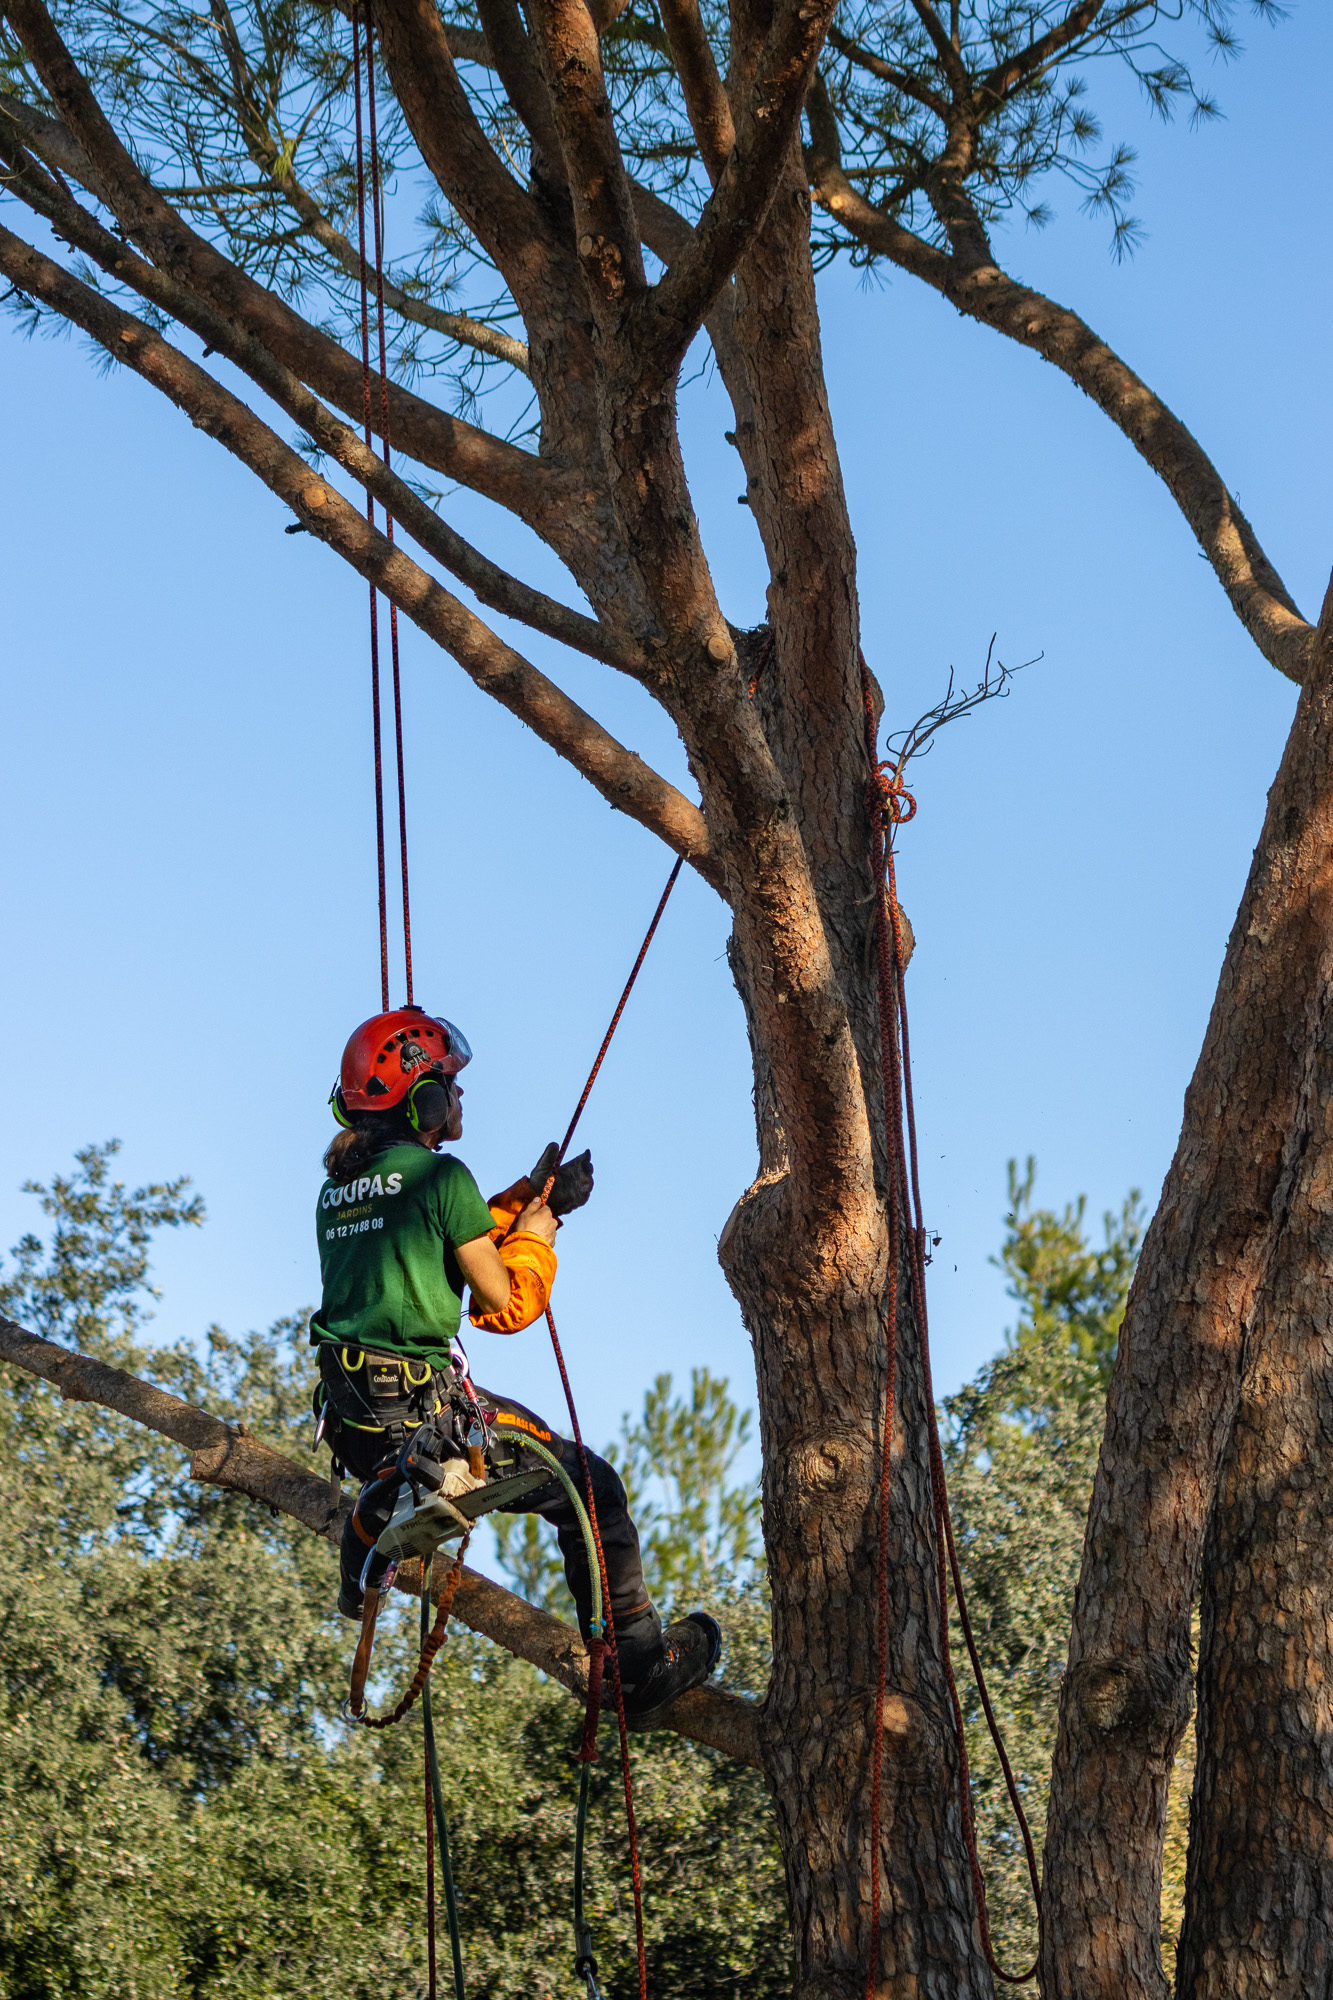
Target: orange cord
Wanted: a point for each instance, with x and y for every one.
(890, 805)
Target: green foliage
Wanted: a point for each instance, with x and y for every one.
(182, 1809)
(241, 114)
(1021, 1450)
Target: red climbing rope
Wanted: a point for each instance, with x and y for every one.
(377, 210)
(620, 1008)
(890, 805)
(371, 130)
(608, 1656)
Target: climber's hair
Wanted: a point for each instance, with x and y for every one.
(357, 1144)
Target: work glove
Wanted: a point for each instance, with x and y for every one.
(573, 1181)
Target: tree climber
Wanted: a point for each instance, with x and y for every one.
(402, 1231)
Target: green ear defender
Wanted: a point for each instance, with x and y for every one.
(426, 1114)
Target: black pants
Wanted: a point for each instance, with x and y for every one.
(366, 1454)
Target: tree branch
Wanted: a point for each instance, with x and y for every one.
(670, 315)
(462, 327)
(280, 172)
(984, 292)
(493, 585)
(900, 79)
(230, 1456)
(622, 778)
(607, 237)
(521, 77)
(488, 465)
(706, 99)
(950, 61)
(502, 215)
(992, 88)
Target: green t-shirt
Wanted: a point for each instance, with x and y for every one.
(386, 1252)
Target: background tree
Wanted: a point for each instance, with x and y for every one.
(203, 1816)
(212, 158)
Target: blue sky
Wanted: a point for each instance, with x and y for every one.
(188, 896)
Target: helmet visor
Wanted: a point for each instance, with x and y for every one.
(457, 1046)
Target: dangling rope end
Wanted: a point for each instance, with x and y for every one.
(587, 1751)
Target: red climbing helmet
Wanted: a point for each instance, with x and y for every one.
(390, 1053)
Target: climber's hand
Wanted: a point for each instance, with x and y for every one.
(573, 1181)
(536, 1219)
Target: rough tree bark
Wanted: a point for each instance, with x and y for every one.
(1199, 1299)
(1260, 1884)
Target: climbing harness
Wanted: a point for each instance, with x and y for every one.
(890, 805)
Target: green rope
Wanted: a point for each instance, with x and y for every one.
(585, 1965)
(441, 1827)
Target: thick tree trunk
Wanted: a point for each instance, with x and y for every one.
(1259, 1910)
(821, 1384)
(814, 1309)
(1252, 1122)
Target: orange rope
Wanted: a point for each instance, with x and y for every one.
(426, 1660)
(607, 1655)
(891, 805)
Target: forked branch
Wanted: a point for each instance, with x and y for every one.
(673, 311)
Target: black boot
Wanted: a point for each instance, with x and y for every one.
(687, 1656)
(361, 1530)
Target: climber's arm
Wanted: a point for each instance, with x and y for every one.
(510, 1280)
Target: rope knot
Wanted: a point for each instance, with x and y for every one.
(888, 800)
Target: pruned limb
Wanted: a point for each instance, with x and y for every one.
(501, 471)
(984, 292)
(228, 1455)
(622, 778)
